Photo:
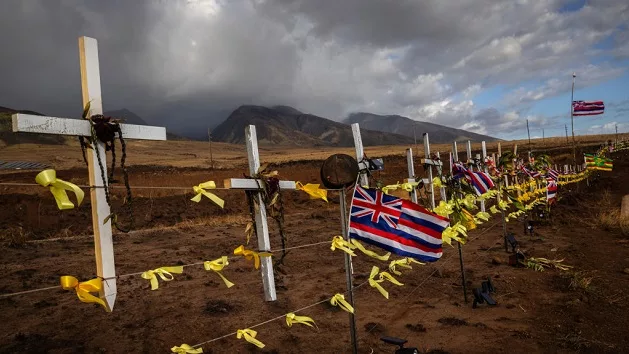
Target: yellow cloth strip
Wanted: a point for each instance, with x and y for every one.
(164, 272)
(58, 188)
(200, 190)
(382, 276)
(186, 349)
(251, 255)
(349, 246)
(250, 336)
(292, 318)
(403, 263)
(217, 266)
(339, 300)
(83, 289)
(313, 190)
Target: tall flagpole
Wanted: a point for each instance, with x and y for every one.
(574, 147)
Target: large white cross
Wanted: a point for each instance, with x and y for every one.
(430, 162)
(262, 227)
(90, 84)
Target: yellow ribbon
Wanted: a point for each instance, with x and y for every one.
(250, 336)
(407, 186)
(186, 349)
(339, 300)
(83, 289)
(313, 190)
(404, 263)
(58, 188)
(163, 272)
(349, 246)
(217, 266)
(292, 318)
(200, 190)
(251, 255)
(382, 277)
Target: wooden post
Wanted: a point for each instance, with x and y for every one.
(499, 150)
(91, 93)
(427, 155)
(360, 153)
(455, 153)
(411, 172)
(468, 148)
(349, 270)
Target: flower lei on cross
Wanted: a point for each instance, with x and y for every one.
(269, 185)
(104, 129)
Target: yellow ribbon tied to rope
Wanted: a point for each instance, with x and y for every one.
(186, 349)
(217, 266)
(348, 246)
(251, 255)
(292, 318)
(200, 190)
(339, 300)
(403, 263)
(382, 277)
(83, 289)
(313, 190)
(59, 188)
(164, 272)
(250, 336)
(493, 209)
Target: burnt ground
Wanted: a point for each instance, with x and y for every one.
(581, 310)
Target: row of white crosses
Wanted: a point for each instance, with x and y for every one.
(104, 250)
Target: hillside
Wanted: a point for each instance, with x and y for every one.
(406, 126)
(8, 137)
(282, 125)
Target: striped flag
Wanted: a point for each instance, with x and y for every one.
(480, 181)
(551, 191)
(587, 108)
(396, 225)
(553, 174)
(530, 173)
(594, 162)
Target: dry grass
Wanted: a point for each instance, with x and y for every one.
(197, 153)
(581, 280)
(609, 218)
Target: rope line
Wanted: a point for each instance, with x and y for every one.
(19, 184)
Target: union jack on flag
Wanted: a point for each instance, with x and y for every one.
(377, 206)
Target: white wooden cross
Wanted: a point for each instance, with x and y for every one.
(262, 227)
(90, 84)
(430, 162)
(468, 148)
(483, 159)
(411, 172)
(360, 153)
(442, 189)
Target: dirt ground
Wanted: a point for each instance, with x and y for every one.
(582, 310)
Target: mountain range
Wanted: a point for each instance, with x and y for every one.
(284, 125)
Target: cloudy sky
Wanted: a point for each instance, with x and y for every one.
(483, 65)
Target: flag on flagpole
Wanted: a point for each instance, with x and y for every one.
(396, 225)
(587, 108)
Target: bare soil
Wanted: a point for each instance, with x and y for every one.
(547, 312)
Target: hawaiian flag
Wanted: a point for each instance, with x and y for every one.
(396, 225)
(480, 181)
(587, 108)
(551, 191)
(554, 175)
(530, 173)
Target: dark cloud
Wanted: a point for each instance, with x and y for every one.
(188, 63)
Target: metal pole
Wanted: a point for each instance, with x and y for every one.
(348, 272)
(529, 133)
(462, 273)
(574, 146)
(209, 136)
(543, 137)
(566, 126)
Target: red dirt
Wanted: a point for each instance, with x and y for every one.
(536, 311)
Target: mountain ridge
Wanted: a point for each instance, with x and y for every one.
(406, 126)
(283, 125)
